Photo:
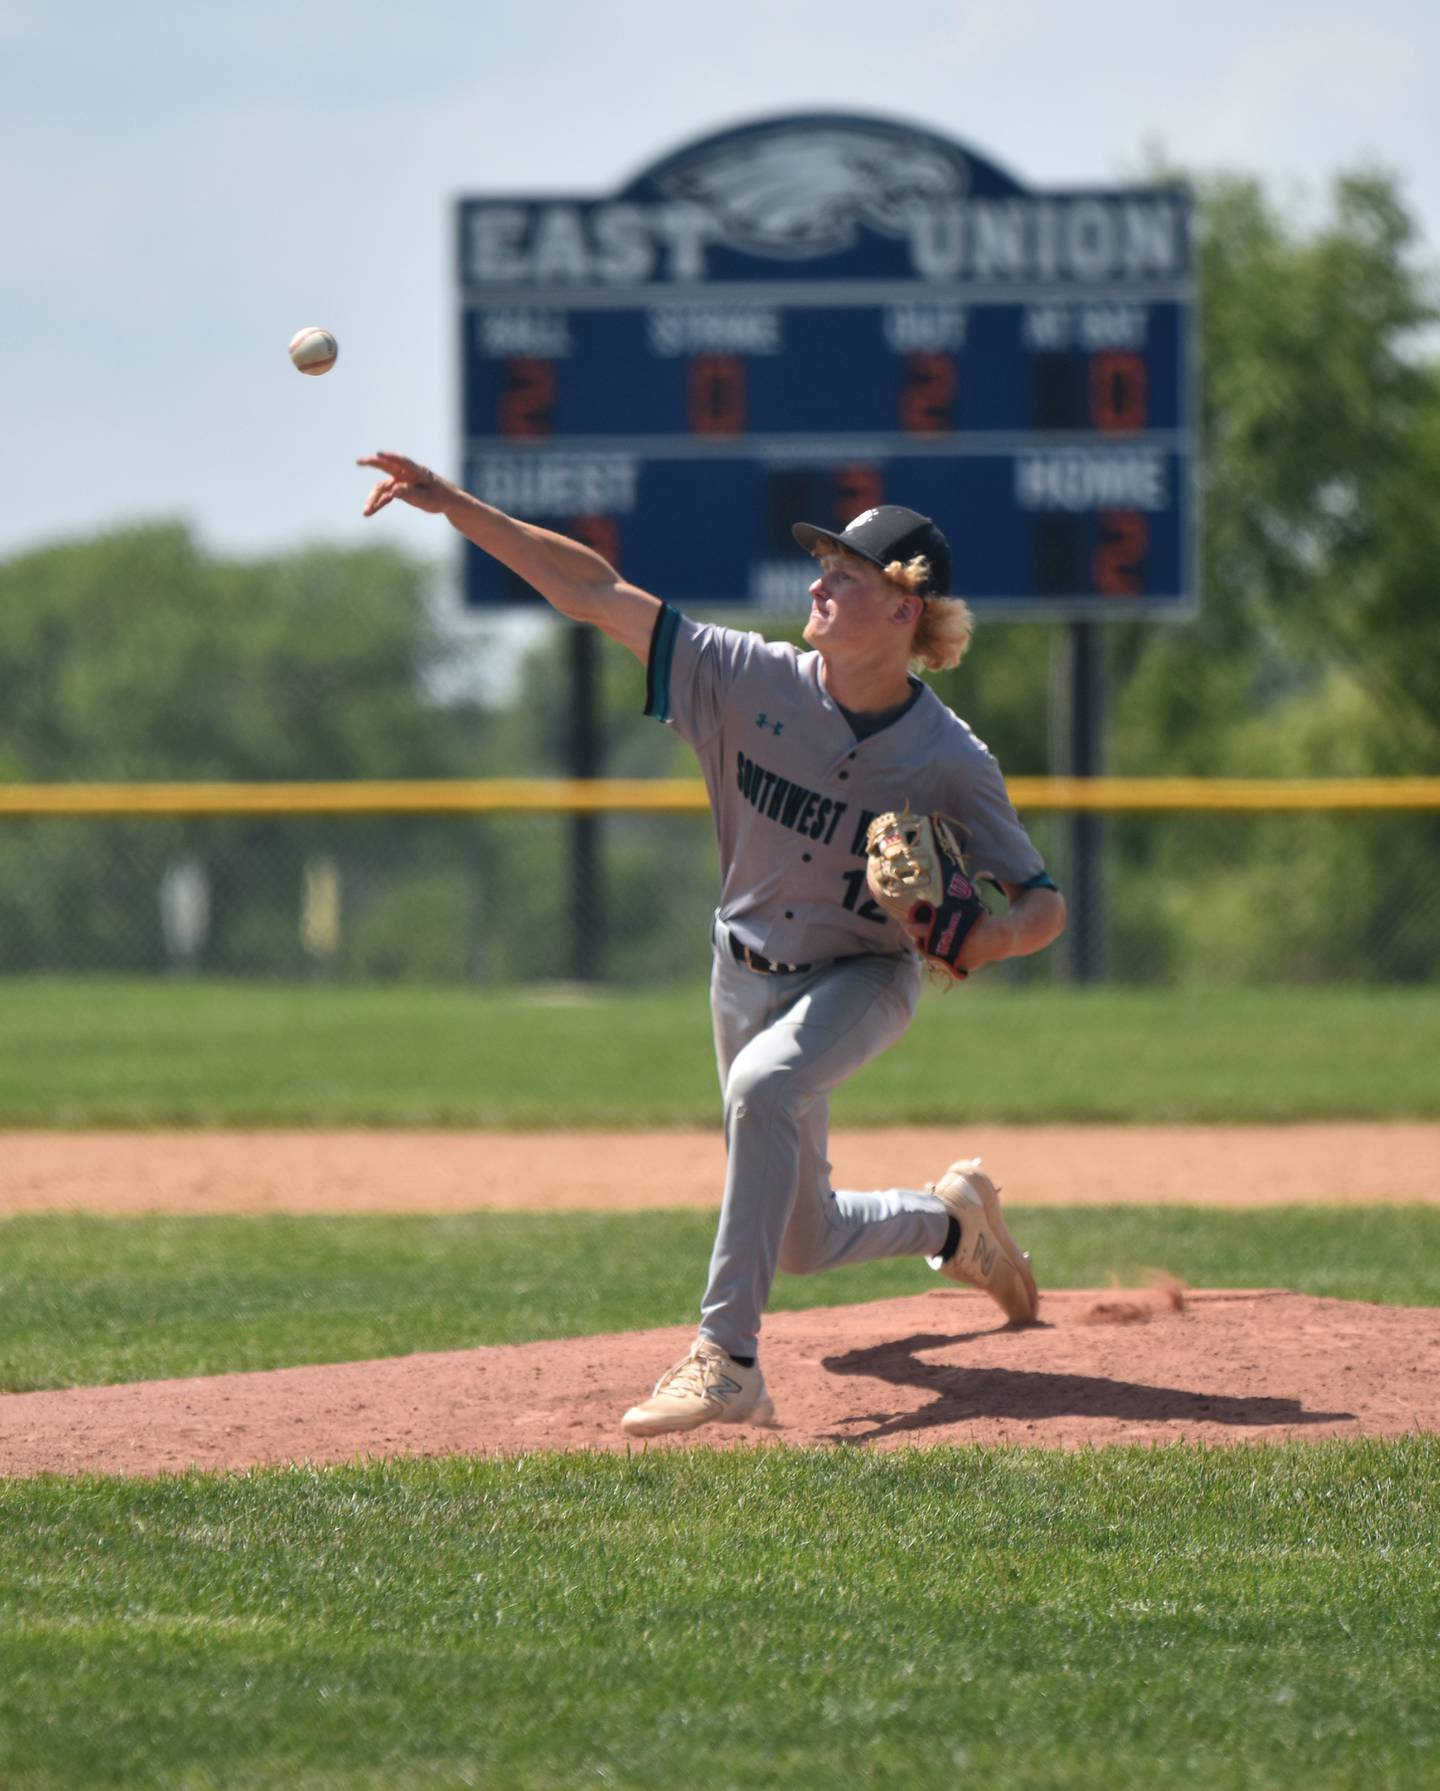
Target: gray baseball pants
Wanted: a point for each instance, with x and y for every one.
(783, 1044)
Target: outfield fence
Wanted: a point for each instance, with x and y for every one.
(496, 881)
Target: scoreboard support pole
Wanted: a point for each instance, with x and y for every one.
(1085, 734)
(587, 945)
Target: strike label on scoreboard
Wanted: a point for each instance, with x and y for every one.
(805, 317)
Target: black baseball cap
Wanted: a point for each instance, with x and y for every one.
(888, 533)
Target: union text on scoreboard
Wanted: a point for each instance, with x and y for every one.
(801, 318)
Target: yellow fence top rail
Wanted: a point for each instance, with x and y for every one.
(476, 796)
(1276, 795)
(1107, 795)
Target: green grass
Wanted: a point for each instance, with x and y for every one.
(91, 1300)
(88, 1053)
(1248, 1617)
(1241, 1618)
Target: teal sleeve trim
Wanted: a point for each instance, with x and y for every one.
(662, 658)
(1041, 880)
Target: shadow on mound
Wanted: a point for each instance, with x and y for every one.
(965, 1394)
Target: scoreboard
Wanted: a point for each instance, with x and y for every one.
(808, 316)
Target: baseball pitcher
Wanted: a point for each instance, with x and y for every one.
(854, 813)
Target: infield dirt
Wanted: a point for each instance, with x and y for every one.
(128, 1172)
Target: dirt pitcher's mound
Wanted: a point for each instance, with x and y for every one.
(1113, 1367)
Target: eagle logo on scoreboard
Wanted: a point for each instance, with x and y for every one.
(800, 191)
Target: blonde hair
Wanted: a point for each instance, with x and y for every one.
(942, 635)
(943, 632)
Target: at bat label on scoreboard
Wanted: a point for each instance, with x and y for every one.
(807, 316)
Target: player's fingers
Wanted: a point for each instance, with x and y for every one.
(379, 497)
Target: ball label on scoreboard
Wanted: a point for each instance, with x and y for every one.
(810, 316)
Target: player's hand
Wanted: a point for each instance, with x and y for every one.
(407, 480)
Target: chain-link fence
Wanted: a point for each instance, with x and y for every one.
(139, 657)
(626, 897)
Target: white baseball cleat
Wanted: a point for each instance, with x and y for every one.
(986, 1256)
(704, 1386)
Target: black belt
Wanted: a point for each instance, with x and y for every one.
(752, 960)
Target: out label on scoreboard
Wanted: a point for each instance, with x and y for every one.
(807, 316)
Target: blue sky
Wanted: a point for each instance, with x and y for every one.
(187, 185)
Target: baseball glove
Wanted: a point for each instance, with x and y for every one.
(917, 873)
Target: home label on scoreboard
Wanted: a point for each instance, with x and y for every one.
(807, 316)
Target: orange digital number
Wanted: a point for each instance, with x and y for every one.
(1119, 562)
(715, 392)
(527, 397)
(857, 488)
(600, 532)
(1118, 394)
(927, 399)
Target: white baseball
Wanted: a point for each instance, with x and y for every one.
(313, 350)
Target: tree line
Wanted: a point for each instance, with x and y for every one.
(137, 655)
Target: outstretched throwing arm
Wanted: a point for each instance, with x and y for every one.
(571, 577)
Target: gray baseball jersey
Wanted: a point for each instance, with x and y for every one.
(793, 791)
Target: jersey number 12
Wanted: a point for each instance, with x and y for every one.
(855, 887)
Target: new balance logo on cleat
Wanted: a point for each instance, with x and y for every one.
(704, 1386)
(987, 1256)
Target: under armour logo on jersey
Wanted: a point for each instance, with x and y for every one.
(764, 721)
